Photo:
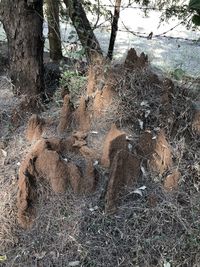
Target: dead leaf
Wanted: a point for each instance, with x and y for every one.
(73, 263)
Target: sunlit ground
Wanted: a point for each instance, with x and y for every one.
(164, 53)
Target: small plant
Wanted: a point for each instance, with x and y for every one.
(73, 82)
(178, 74)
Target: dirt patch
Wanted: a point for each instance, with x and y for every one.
(102, 101)
(65, 116)
(27, 196)
(161, 159)
(196, 122)
(132, 185)
(156, 150)
(91, 81)
(97, 76)
(88, 153)
(146, 145)
(133, 61)
(89, 181)
(97, 104)
(171, 181)
(112, 134)
(75, 177)
(51, 166)
(124, 170)
(82, 118)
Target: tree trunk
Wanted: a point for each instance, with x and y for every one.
(23, 24)
(54, 29)
(114, 29)
(83, 28)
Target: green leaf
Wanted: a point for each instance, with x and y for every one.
(178, 73)
(194, 4)
(3, 258)
(196, 20)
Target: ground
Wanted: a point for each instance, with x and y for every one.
(156, 221)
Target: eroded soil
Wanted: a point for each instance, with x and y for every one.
(112, 182)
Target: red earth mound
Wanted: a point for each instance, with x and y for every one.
(156, 150)
(196, 122)
(112, 134)
(27, 196)
(82, 118)
(70, 160)
(171, 181)
(35, 128)
(65, 116)
(133, 61)
(124, 170)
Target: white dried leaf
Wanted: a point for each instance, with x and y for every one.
(143, 171)
(196, 186)
(138, 191)
(4, 153)
(74, 263)
(166, 264)
(94, 208)
(129, 137)
(41, 255)
(141, 123)
(147, 112)
(94, 132)
(142, 187)
(130, 147)
(144, 103)
(157, 129)
(95, 163)
(65, 159)
(154, 137)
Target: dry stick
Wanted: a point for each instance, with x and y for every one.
(54, 30)
(114, 29)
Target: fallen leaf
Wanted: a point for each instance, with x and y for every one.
(141, 123)
(130, 147)
(143, 171)
(94, 208)
(166, 264)
(139, 190)
(41, 255)
(3, 258)
(144, 103)
(142, 187)
(73, 263)
(147, 112)
(95, 163)
(4, 153)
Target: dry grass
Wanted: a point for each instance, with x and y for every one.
(146, 231)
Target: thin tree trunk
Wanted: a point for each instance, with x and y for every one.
(83, 28)
(23, 24)
(114, 29)
(54, 29)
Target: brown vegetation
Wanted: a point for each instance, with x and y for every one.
(35, 128)
(127, 167)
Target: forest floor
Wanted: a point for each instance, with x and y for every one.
(157, 220)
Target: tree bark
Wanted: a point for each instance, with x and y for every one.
(23, 24)
(114, 29)
(54, 29)
(83, 28)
